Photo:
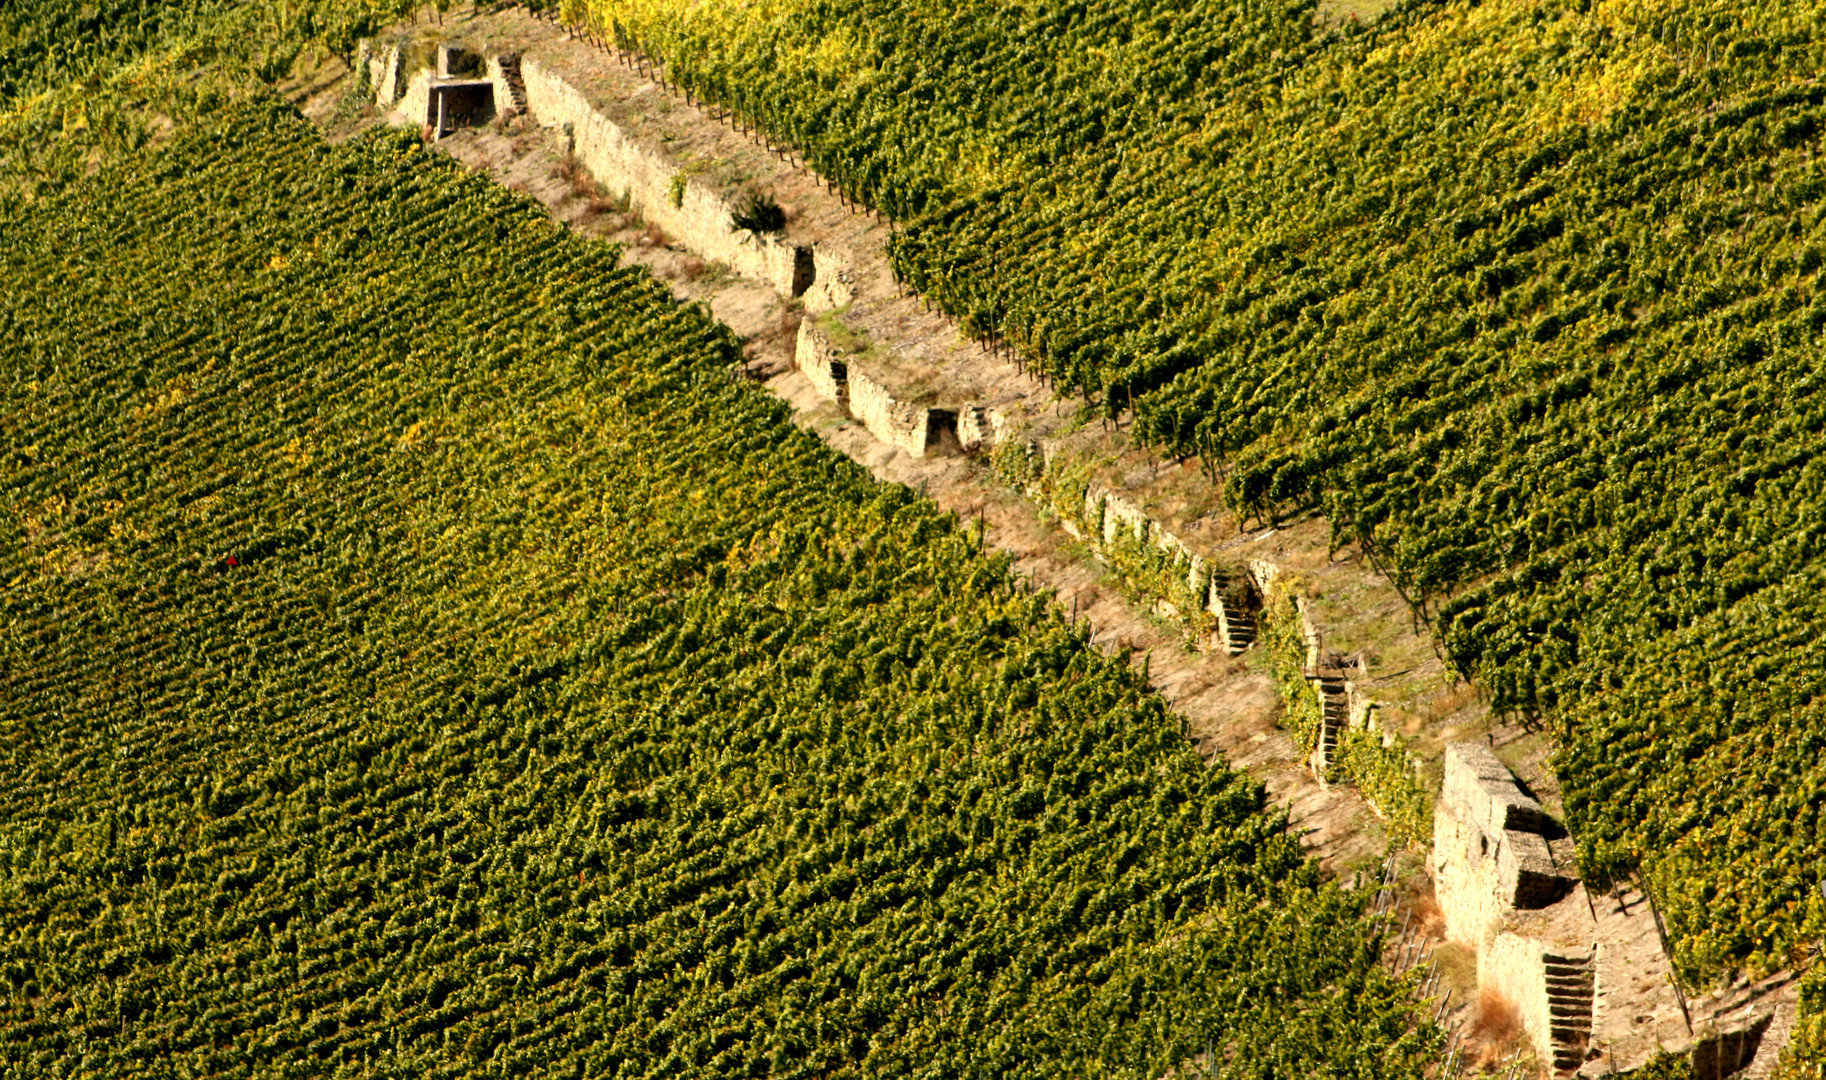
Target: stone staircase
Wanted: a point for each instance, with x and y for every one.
(516, 85)
(1570, 984)
(1333, 716)
(1235, 627)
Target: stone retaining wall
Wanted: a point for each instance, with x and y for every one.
(415, 101)
(833, 372)
(897, 423)
(823, 365)
(694, 215)
(662, 191)
(1480, 793)
(973, 428)
(833, 282)
(1485, 792)
(385, 79)
(700, 219)
(1516, 967)
(1464, 879)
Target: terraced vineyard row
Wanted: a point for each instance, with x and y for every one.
(81, 79)
(418, 657)
(1523, 296)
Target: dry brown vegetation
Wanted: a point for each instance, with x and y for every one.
(1496, 1033)
(1429, 918)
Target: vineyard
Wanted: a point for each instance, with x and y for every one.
(80, 79)
(421, 658)
(1522, 296)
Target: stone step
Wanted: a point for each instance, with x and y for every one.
(516, 84)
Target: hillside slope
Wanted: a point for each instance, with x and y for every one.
(420, 657)
(1523, 296)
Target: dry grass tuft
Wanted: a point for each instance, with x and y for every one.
(577, 178)
(1429, 917)
(1496, 1028)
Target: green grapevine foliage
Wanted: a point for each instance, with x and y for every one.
(1523, 295)
(418, 657)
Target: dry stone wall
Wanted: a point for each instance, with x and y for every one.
(1119, 516)
(919, 430)
(684, 207)
(973, 427)
(824, 365)
(1481, 793)
(1464, 879)
(1516, 967)
(1179, 581)
(1490, 854)
(386, 79)
(664, 192)
(834, 373)
(701, 219)
(415, 101)
(1485, 791)
(896, 423)
(1220, 615)
(833, 281)
(1495, 874)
